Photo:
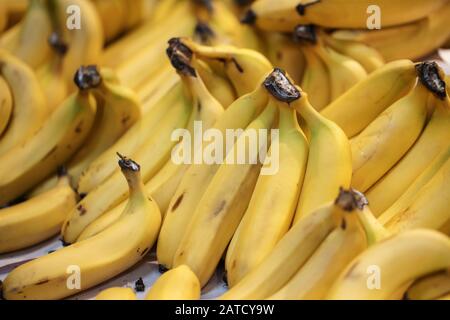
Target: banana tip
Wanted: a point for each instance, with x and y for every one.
(249, 17)
(279, 86)
(429, 75)
(180, 57)
(87, 77)
(128, 164)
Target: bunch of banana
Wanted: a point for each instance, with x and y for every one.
(155, 152)
(36, 219)
(432, 141)
(284, 15)
(272, 206)
(59, 137)
(116, 293)
(412, 41)
(94, 260)
(383, 269)
(180, 283)
(309, 254)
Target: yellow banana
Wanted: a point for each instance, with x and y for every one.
(431, 142)
(180, 283)
(367, 56)
(359, 106)
(315, 277)
(329, 158)
(380, 270)
(284, 15)
(411, 41)
(29, 42)
(428, 208)
(244, 67)
(296, 247)
(116, 293)
(316, 79)
(103, 167)
(430, 287)
(3, 16)
(29, 109)
(36, 219)
(223, 203)
(6, 104)
(384, 142)
(196, 179)
(94, 260)
(52, 145)
(266, 220)
(152, 155)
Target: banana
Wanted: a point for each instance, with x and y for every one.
(112, 14)
(296, 247)
(117, 110)
(399, 259)
(404, 201)
(29, 107)
(365, 55)
(344, 72)
(359, 106)
(430, 287)
(180, 283)
(152, 154)
(53, 144)
(411, 41)
(102, 167)
(51, 75)
(384, 142)
(266, 220)
(346, 241)
(431, 142)
(116, 293)
(244, 67)
(36, 219)
(6, 104)
(85, 42)
(98, 258)
(223, 203)
(427, 208)
(284, 15)
(3, 16)
(329, 157)
(29, 42)
(196, 179)
(284, 53)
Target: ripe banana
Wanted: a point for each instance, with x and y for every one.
(3, 16)
(411, 41)
(244, 67)
(316, 79)
(392, 263)
(284, 15)
(6, 104)
(431, 142)
(315, 277)
(29, 42)
(29, 109)
(96, 259)
(288, 256)
(36, 219)
(219, 211)
(197, 178)
(52, 145)
(359, 106)
(430, 287)
(329, 158)
(384, 142)
(273, 202)
(116, 293)
(367, 56)
(152, 154)
(426, 208)
(179, 283)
